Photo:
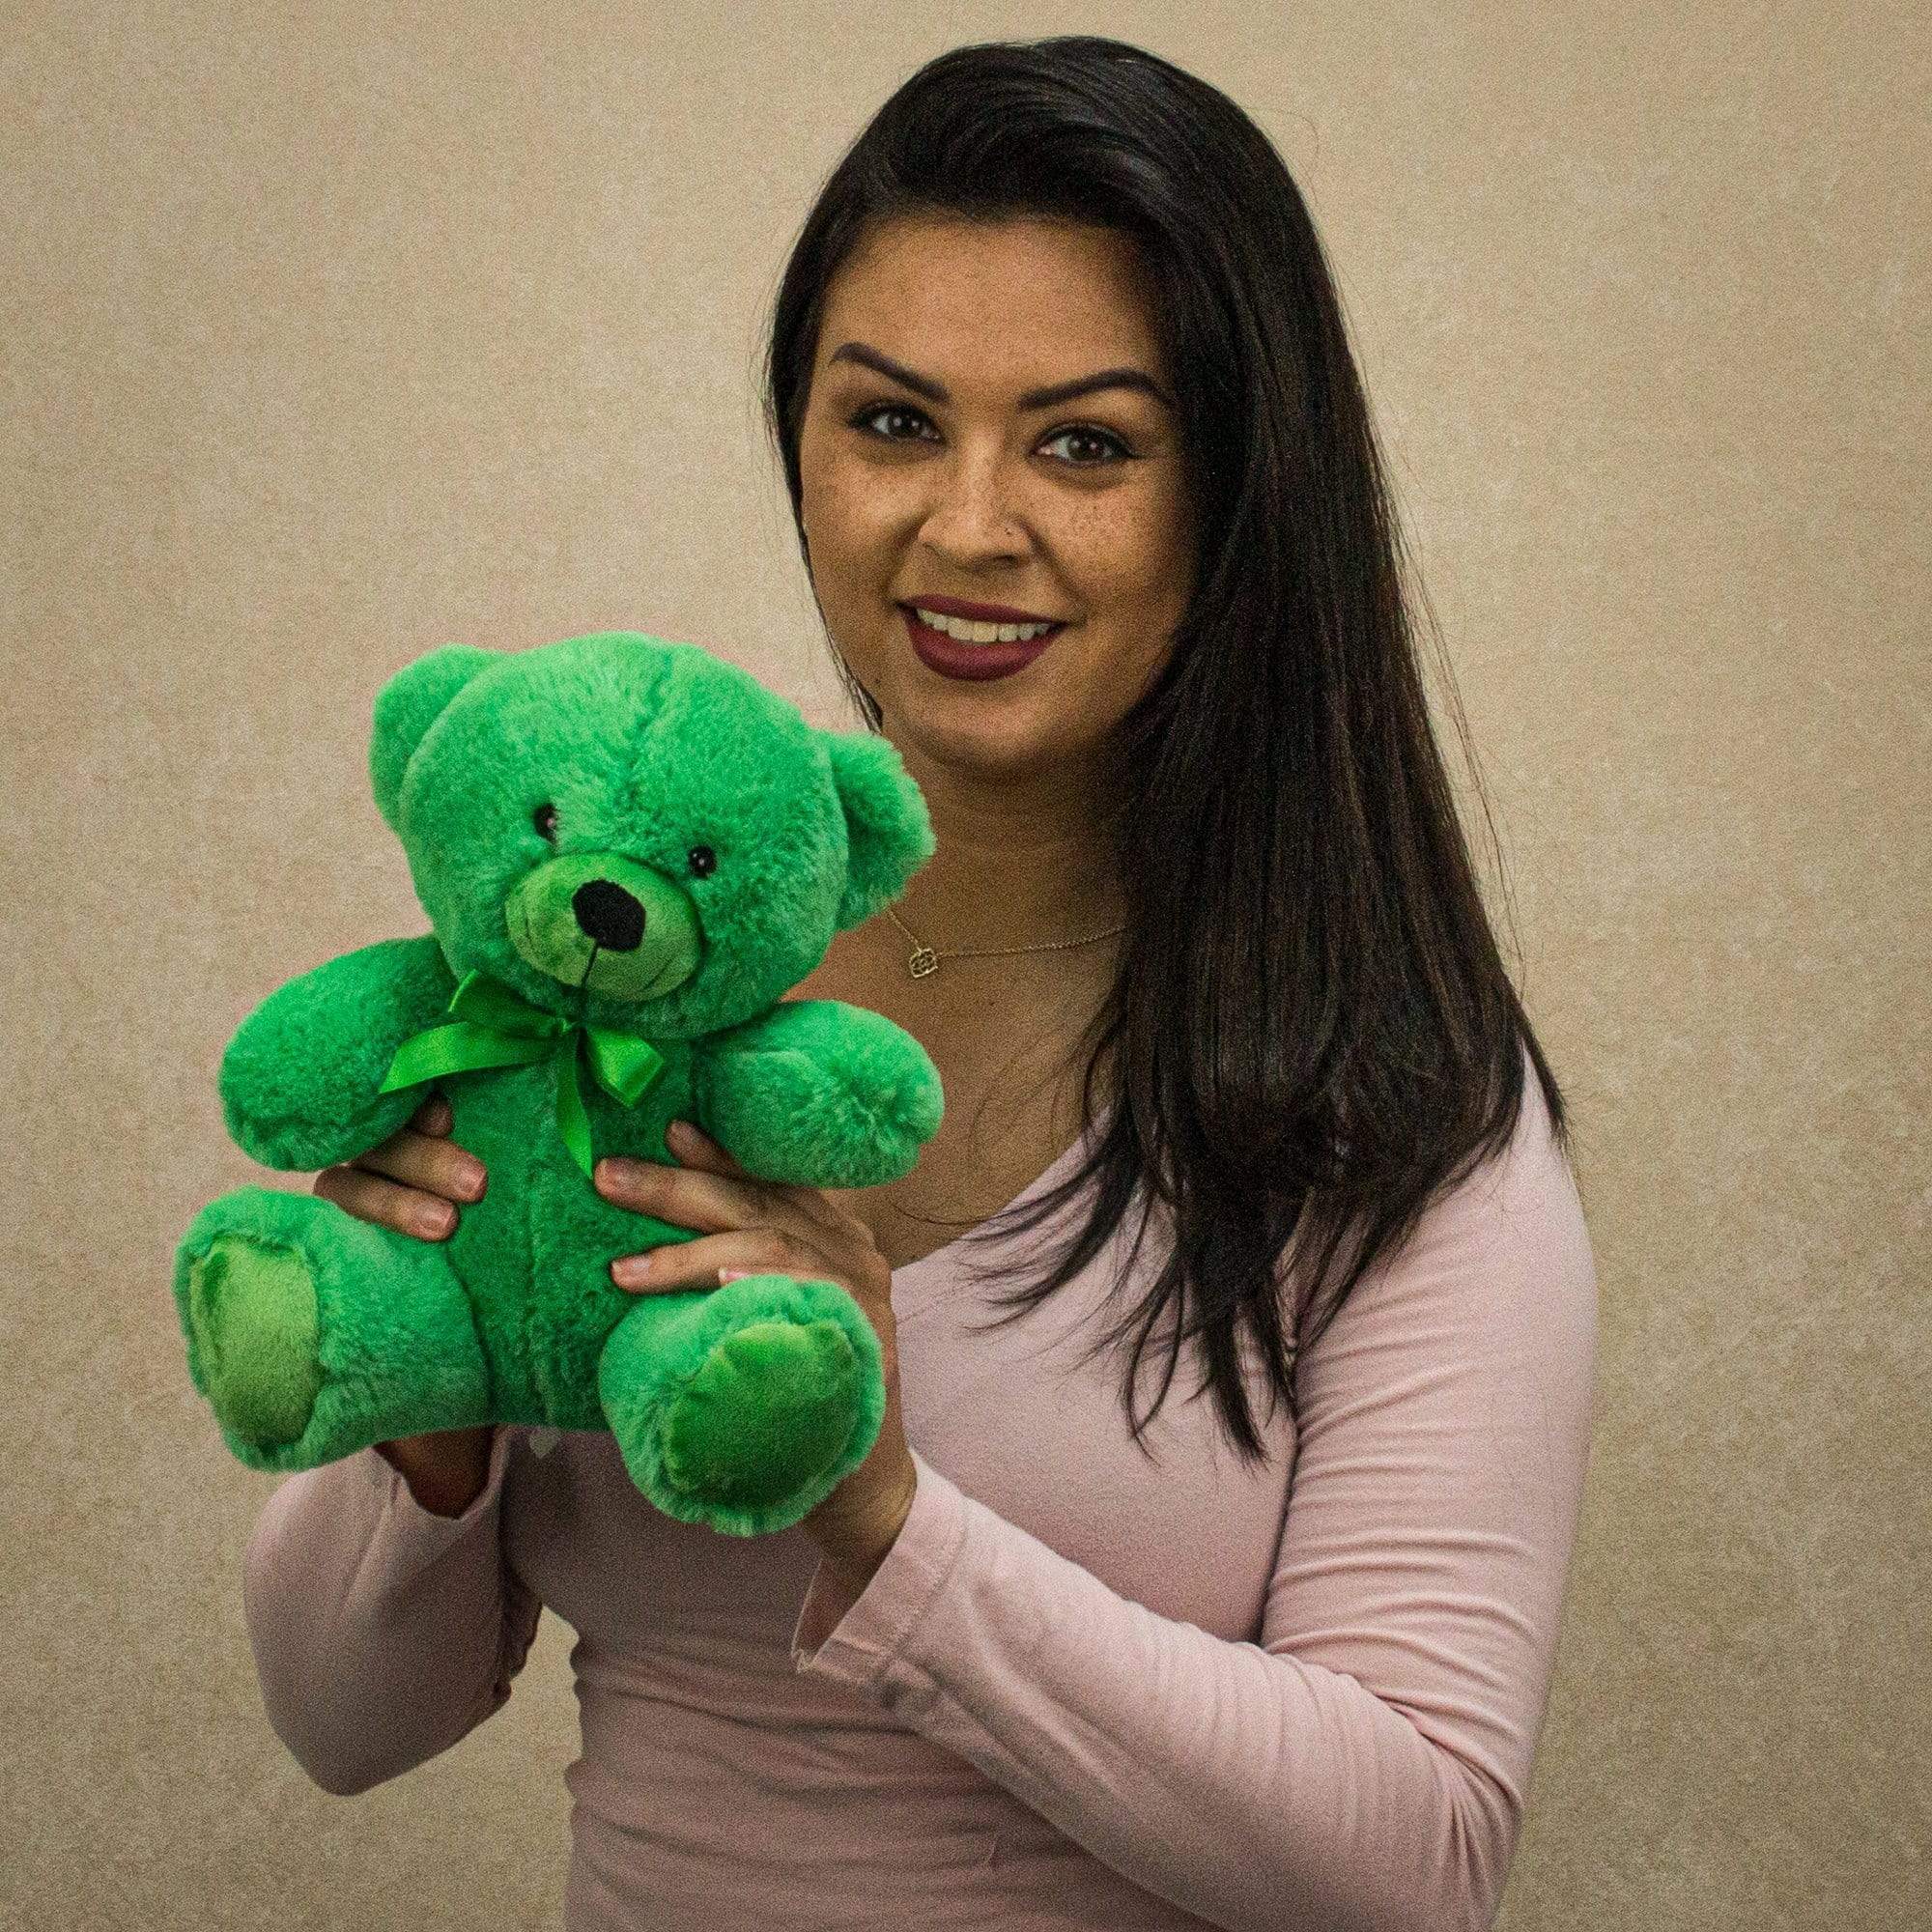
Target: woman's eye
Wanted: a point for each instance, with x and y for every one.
(866, 418)
(1085, 432)
(702, 860)
(543, 818)
(1094, 435)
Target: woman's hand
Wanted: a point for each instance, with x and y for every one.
(745, 1225)
(412, 1182)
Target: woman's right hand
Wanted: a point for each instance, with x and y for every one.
(413, 1182)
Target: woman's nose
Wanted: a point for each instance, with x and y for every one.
(972, 514)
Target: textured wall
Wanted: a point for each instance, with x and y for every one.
(327, 335)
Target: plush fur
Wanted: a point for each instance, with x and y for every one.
(701, 846)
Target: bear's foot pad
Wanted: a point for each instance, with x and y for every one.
(771, 1409)
(253, 1309)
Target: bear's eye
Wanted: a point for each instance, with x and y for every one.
(543, 818)
(702, 860)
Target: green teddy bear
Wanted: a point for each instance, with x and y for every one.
(629, 850)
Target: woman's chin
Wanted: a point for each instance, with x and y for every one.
(999, 729)
(935, 739)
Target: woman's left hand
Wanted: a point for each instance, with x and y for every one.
(767, 1227)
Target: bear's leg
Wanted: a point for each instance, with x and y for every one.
(747, 1406)
(313, 1334)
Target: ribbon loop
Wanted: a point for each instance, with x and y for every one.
(488, 1002)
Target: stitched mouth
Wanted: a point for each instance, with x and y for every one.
(554, 930)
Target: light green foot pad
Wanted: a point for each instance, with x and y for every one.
(254, 1314)
(773, 1406)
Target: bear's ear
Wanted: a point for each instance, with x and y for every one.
(407, 706)
(887, 828)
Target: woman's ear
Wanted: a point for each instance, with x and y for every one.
(888, 832)
(407, 706)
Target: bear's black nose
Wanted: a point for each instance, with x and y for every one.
(609, 915)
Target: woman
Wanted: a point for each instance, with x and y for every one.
(1220, 1019)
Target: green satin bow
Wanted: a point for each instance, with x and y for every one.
(495, 1027)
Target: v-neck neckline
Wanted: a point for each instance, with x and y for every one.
(914, 1282)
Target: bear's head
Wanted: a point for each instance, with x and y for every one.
(633, 831)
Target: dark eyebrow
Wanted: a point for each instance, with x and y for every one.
(1033, 399)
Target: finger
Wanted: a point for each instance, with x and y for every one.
(427, 1161)
(718, 1202)
(682, 1266)
(688, 1197)
(370, 1198)
(694, 1147)
(695, 1151)
(433, 1117)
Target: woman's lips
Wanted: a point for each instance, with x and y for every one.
(950, 658)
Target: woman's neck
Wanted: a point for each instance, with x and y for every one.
(1018, 862)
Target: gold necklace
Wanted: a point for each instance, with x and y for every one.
(924, 960)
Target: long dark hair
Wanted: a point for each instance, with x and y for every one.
(1310, 1034)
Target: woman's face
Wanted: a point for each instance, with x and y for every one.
(946, 481)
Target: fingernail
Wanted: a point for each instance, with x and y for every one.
(436, 1220)
(684, 1133)
(731, 1274)
(632, 1271)
(614, 1171)
(471, 1177)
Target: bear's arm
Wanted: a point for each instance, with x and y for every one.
(299, 1079)
(819, 1093)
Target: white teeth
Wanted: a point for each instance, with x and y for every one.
(969, 632)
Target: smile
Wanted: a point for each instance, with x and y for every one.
(973, 630)
(984, 651)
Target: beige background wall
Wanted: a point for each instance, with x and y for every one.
(329, 335)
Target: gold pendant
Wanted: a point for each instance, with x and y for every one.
(923, 962)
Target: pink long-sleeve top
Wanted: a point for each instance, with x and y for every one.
(1083, 1689)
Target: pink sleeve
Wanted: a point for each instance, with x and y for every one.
(383, 1633)
(1365, 1763)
